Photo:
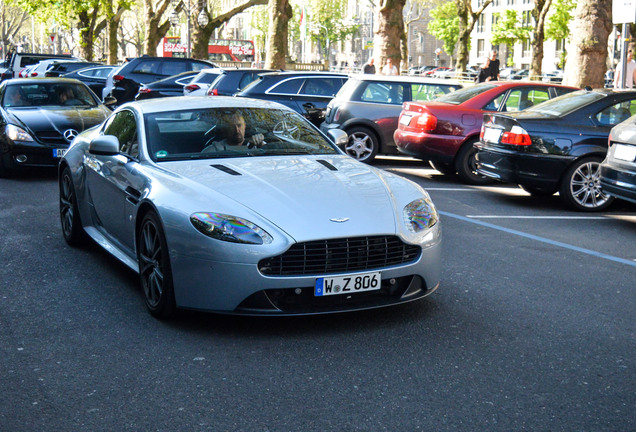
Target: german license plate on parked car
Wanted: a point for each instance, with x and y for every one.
(626, 153)
(405, 119)
(492, 135)
(58, 153)
(347, 284)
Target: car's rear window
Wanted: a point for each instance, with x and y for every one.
(567, 103)
(462, 95)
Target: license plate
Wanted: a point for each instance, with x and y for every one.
(405, 119)
(58, 153)
(492, 135)
(347, 284)
(626, 153)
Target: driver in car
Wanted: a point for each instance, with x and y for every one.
(234, 132)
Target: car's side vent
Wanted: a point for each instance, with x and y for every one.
(327, 165)
(226, 169)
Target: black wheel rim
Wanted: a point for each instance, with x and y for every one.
(67, 204)
(150, 263)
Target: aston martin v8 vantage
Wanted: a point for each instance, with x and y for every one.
(242, 206)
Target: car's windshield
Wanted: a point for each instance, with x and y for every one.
(462, 95)
(45, 94)
(566, 103)
(231, 132)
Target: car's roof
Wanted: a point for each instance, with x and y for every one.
(46, 80)
(404, 78)
(303, 73)
(159, 105)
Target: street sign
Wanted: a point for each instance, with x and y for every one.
(623, 11)
(52, 36)
(368, 44)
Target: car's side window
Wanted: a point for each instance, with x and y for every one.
(381, 92)
(494, 104)
(522, 98)
(427, 92)
(171, 68)
(617, 113)
(319, 87)
(123, 125)
(290, 86)
(147, 67)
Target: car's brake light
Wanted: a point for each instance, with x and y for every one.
(427, 121)
(192, 87)
(34, 74)
(516, 136)
(117, 78)
(215, 92)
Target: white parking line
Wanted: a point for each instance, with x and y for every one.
(542, 239)
(536, 217)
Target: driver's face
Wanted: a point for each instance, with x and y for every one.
(236, 131)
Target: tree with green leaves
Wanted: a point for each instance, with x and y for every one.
(259, 22)
(327, 24)
(508, 31)
(559, 21)
(444, 25)
(467, 19)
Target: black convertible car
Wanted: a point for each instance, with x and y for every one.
(39, 117)
(556, 146)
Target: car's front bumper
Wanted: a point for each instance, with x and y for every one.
(620, 183)
(31, 154)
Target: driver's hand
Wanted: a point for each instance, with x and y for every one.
(256, 141)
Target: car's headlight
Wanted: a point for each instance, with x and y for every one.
(229, 228)
(16, 133)
(420, 215)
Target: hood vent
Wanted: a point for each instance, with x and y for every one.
(327, 165)
(225, 169)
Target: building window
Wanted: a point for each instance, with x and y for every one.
(495, 19)
(526, 18)
(526, 49)
(481, 24)
(510, 2)
(480, 48)
(496, 3)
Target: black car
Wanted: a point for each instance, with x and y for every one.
(142, 70)
(167, 87)
(618, 170)
(39, 117)
(230, 81)
(557, 145)
(308, 93)
(64, 67)
(93, 76)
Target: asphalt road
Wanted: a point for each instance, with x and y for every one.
(532, 329)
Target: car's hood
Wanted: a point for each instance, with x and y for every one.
(322, 197)
(60, 119)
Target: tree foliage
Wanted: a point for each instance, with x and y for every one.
(444, 25)
(560, 20)
(327, 24)
(467, 19)
(509, 30)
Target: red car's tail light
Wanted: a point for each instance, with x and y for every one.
(192, 87)
(213, 92)
(427, 121)
(117, 78)
(34, 74)
(516, 136)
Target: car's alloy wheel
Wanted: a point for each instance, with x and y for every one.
(155, 271)
(69, 212)
(466, 166)
(581, 187)
(362, 145)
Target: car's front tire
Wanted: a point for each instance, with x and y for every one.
(580, 187)
(155, 271)
(69, 212)
(363, 144)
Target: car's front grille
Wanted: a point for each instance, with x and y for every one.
(340, 255)
(51, 137)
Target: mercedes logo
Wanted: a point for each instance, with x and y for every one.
(69, 134)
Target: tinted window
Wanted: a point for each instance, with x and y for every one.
(321, 86)
(247, 78)
(197, 66)
(147, 67)
(170, 68)
(289, 86)
(205, 77)
(427, 92)
(124, 126)
(617, 113)
(462, 95)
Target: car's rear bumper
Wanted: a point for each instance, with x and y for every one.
(618, 182)
(425, 146)
(537, 170)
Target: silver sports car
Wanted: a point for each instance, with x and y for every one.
(242, 206)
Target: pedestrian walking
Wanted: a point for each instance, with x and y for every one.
(369, 67)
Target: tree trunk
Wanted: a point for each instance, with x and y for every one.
(155, 29)
(280, 12)
(87, 31)
(539, 13)
(467, 20)
(388, 36)
(585, 64)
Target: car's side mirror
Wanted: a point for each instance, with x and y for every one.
(338, 136)
(109, 101)
(104, 145)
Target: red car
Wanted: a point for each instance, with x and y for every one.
(443, 131)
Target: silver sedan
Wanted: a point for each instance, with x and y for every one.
(242, 206)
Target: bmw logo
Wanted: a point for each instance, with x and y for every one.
(69, 134)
